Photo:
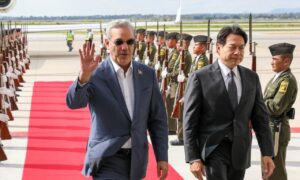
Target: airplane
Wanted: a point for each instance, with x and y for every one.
(7, 5)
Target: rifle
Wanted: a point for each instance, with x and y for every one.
(254, 57)
(180, 88)
(208, 34)
(164, 81)
(211, 53)
(2, 153)
(250, 34)
(158, 61)
(209, 44)
(252, 45)
(158, 53)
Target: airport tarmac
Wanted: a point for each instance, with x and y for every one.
(52, 62)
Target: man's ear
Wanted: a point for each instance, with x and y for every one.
(218, 47)
(287, 61)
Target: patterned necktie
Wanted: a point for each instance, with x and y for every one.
(232, 90)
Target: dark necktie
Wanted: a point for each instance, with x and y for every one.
(232, 90)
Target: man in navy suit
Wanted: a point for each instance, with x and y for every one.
(124, 102)
(221, 101)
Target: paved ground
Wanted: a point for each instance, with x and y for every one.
(52, 62)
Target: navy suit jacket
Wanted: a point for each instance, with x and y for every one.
(111, 125)
(208, 114)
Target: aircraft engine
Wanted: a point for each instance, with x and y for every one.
(6, 5)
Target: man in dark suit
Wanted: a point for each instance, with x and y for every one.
(221, 101)
(124, 102)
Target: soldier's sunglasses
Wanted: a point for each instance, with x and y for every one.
(119, 42)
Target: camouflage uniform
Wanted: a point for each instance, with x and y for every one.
(176, 71)
(199, 62)
(279, 96)
(140, 47)
(172, 58)
(151, 49)
(163, 48)
(188, 63)
(201, 59)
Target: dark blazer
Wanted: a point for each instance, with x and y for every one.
(111, 125)
(208, 116)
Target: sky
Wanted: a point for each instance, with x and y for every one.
(119, 7)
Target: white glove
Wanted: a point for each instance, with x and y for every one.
(4, 117)
(164, 74)
(157, 66)
(101, 45)
(147, 61)
(4, 78)
(180, 78)
(181, 100)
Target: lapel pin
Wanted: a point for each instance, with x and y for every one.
(140, 72)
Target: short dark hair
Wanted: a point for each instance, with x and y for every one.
(227, 30)
(289, 56)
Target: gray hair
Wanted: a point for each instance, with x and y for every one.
(118, 24)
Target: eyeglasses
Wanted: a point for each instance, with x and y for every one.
(119, 42)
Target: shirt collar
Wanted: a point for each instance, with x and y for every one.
(225, 70)
(117, 68)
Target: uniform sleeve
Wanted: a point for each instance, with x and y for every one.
(277, 105)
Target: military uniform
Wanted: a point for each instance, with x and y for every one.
(201, 59)
(172, 58)
(162, 49)
(175, 73)
(199, 62)
(140, 47)
(279, 96)
(151, 50)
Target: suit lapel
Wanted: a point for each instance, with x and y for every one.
(218, 78)
(137, 74)
(244, 86)
(112, 82)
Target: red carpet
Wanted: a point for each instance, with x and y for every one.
(57, 137)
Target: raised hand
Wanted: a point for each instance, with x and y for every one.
(88, 62)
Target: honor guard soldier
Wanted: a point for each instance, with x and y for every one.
(70, 39)
(140, 45)
(150, 48)
(161, 46)
(181, 76)
(161, 54)
(173, 54)
(199, 50)
(279, 96)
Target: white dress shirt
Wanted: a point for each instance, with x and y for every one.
(237, 78)
(126, 84)
(276, 76)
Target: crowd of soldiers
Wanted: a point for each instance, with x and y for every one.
(14, 61)
(168, 53)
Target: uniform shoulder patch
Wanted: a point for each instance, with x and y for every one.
(175, 56)
(283, 86)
